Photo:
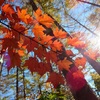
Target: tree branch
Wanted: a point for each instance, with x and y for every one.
(93, 4)
(25, 36)
(82, 25)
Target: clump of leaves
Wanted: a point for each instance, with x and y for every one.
(52, 96)
(96, 78)
(61, 93)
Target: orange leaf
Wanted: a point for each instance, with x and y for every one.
(56, 45)
(64, 64)
(22, 14)
(76, 43)
(71, 41)
(79, 44)
(8, 9)
(38, 13)
(59, 33)
(43, 18)
(7, 12)
(80, 61)
(46, 20)
(38, 30)
(20, 28)
(21, 52)
(46, 39)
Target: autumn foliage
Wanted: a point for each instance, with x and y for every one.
(25, 33)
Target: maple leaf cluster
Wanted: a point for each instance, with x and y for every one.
(16, 41)
(46, 47)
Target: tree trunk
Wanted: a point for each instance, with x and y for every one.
(93, 63)
(17, 83)
(24, 84)
(79, 87)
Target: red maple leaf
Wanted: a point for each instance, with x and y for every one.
(56, 79)
(70, 53)
(40, 51)
(15, 59)
(32, 63)
(10, 43)
(43, 68)
(30, 44)
(35, 66)
(20, 30)
(51, 56)
(1, 2)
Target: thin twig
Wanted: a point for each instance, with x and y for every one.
(93, 4)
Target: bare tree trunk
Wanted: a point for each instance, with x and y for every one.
(93, 63)
(1, 65)
(79, 87)
(0, 69)
(24, 84)
(17, 83)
